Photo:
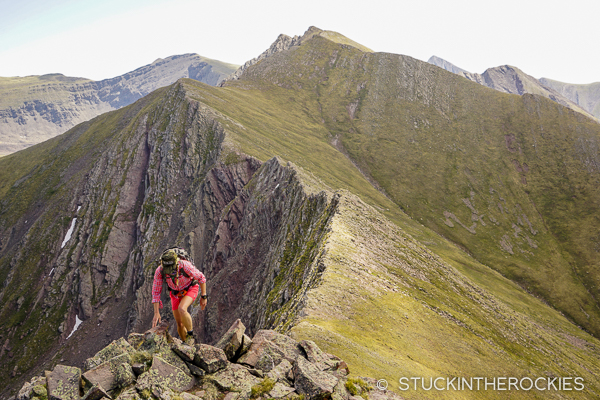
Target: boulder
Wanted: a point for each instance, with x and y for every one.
(172, 358)
(340, 392)
(195, 370)
(280, 372)
(209, 358)
(156, 339)
(189, 396)
(138, 368)
(246, 343)
(280, 391)
(27, 391)
(129, 394)
(268, 349)
(63, 383)
(185, 352)
(324, 361)
(311, 381)
(95, 393)
(114, 349)
(162, 374)
(112, 374)
(232, 340)
(136, 339)
(288, 346)
(162, 392)
(234, 378)
(256, 372)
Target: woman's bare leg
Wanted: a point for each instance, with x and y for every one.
(180, 329)
(183, 317)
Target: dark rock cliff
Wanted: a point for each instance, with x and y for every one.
(155, 178)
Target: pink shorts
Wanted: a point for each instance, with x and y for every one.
(192, 292)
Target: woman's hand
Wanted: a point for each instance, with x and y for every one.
(203, 303)
(156, 319)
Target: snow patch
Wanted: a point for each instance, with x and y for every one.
(69, 233)
(77, 323)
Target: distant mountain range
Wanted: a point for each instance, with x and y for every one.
(37, 108)
(508, 79)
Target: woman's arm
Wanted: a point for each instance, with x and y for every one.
(156, 290)
(203, 301)
(156, 319)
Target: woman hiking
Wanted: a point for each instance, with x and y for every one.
(184, 281)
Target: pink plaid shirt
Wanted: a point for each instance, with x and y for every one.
(182, 283)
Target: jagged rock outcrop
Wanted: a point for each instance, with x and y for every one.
(285, 42)
(299, 376)
(37, 108)
(250, 226)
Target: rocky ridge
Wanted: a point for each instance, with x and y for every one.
(293, 245)
(154, 365)
(251, 226)
(285, 42)
(34, 109)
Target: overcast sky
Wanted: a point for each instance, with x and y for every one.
(100, 39)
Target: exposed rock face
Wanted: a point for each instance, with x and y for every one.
(165, 380)
(35, 109)
(284, 42)
(249, 226)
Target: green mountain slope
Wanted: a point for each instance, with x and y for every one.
(512, 179)
(347, 237)
(509, 79)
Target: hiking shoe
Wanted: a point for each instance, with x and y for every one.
(190, 340)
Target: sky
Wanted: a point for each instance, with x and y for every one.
(99, 39)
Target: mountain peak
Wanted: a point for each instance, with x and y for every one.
(511, 79)
(285, 42)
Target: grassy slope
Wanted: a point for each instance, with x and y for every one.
(14, 91)
(391, 346)
(520, 172)
(512, 179)
(295, 122)
(253, 111)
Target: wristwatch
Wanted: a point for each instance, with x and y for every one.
(204, 296)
